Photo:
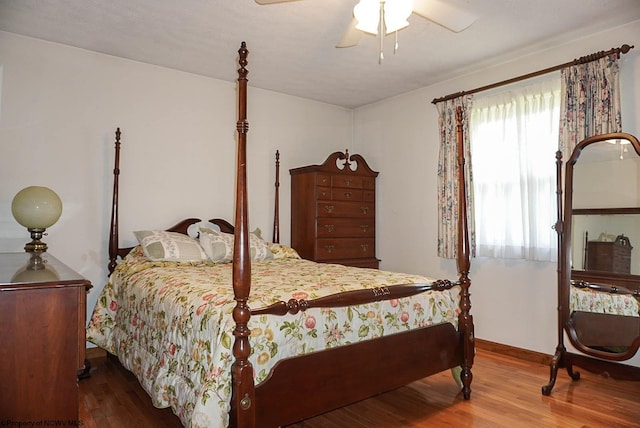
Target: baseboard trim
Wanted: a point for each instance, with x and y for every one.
(512, 351)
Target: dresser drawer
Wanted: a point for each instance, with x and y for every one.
(369, 196)
(323, 193)
(328, 248)
(346, 182)
(345, 194)
(323, 180)
(346, 227)
(369, 183)
(345, 209)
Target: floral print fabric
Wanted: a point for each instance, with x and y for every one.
(171, 323)
(448, 184)
(597, 301)
(591, 101)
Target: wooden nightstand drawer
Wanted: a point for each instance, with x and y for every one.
(42, 332)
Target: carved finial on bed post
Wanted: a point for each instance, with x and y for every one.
(465, 319)
(276, 209)
(243, 395)
(113, 231)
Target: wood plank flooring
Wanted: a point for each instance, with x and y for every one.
(505, 393)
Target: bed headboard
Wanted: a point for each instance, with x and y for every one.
(115, 251)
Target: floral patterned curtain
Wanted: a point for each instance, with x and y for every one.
(448, 177)
(590, 102)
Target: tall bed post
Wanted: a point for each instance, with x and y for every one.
(465, 319)
(243, 394)
(113, 233)
(276, 213)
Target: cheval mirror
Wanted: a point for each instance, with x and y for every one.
(598, 266)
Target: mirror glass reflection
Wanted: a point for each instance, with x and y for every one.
(606, 243)
(606, 208)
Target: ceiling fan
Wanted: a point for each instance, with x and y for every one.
(441, 12)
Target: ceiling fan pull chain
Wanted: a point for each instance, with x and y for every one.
(395, 47)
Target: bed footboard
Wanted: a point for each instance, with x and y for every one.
(336, 377)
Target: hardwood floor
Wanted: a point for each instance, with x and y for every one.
(505, 393)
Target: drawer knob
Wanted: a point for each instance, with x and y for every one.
(329, 248)
(347, 182)
(364, 247)
(329, 208)
(329, 227)
(364, 210)
(347, 194)
(364, 227)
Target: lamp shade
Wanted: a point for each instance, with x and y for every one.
(36, 207)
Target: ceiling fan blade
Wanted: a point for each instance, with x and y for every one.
(272, 1)
(445, 14)
(351, 37)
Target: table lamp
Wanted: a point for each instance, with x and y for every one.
(36, 208)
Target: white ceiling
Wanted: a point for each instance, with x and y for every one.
(292, 44)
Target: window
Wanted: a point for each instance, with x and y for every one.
(514, 138)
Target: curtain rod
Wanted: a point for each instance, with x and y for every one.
(582, 60)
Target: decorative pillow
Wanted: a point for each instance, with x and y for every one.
(219, 246)
(280, 251)
(259, 247)
(159, 245)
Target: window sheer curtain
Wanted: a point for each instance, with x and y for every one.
(590, 101)
(514, 138)
(448, 185)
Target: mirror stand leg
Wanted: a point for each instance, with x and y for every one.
(556, 362)
(569, 365)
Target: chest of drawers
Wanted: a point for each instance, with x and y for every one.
(333, 211)
(609, 256)
(42, 332)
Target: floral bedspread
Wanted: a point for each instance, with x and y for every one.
(597, 301)
(171, 324)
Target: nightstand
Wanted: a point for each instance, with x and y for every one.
(42, 339)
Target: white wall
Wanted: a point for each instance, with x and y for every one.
(59, 109)
(514, 302)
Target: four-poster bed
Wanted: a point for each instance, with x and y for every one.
(347, 334)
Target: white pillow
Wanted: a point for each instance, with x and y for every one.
(219, 246)
(159, 245)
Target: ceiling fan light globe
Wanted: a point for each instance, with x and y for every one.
(395, 26)
(396, 13)
(367, 13)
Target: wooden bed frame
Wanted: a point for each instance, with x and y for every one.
(342, 375)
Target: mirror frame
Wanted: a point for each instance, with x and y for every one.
(565, 271)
